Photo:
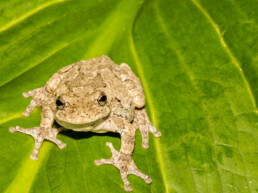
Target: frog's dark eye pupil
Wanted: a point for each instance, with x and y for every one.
(103, 100)
(60, 105)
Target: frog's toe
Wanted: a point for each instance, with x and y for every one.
(12, 129)
(127, 185)
(34, 156)
(30, 107)
(142, 122)
(128, 188)
(32, 92)
(61, 145)
(138, 173)
(103, 161)
(51, 136)
(38, 95)
(155, 132)
(145, 136)
(107, 161)
(112, 149)
(22, 130)
(38, 142)
(145, 130)
(26, 94)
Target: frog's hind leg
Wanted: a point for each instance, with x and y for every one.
(123, 159)
(125, 164)
(133, 84)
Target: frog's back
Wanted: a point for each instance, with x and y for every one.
(96, 65)
(94, 72)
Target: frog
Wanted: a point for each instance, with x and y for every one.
(95, 95)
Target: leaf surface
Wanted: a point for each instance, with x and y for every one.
(197, 61)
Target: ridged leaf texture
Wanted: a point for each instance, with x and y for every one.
(197, 60)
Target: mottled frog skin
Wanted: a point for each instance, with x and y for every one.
(94, 95)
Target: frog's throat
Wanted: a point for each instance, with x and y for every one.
(80, 126)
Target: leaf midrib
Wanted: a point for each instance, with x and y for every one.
(30, 13)
(152, 111)
(25, 177)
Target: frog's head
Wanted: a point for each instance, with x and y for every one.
(82, 111)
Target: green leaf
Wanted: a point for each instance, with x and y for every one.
(197, 60)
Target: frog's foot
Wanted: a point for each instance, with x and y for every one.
(38, 95)
(145, 129)
(142, 122)
(40, 134)
(125, 164)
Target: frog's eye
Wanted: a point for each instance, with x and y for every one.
(60, 105)
(102, 100)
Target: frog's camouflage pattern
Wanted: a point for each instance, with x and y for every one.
(94, 95)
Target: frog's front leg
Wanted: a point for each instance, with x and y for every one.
(45, 131)
(123, 159)
(38, 96)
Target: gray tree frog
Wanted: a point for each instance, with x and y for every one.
(94, 95)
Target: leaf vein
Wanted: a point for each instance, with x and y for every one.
(152, 109)
(225, 46)
(181, 59)
(27, 15)
(44, 59)
(29, 36)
